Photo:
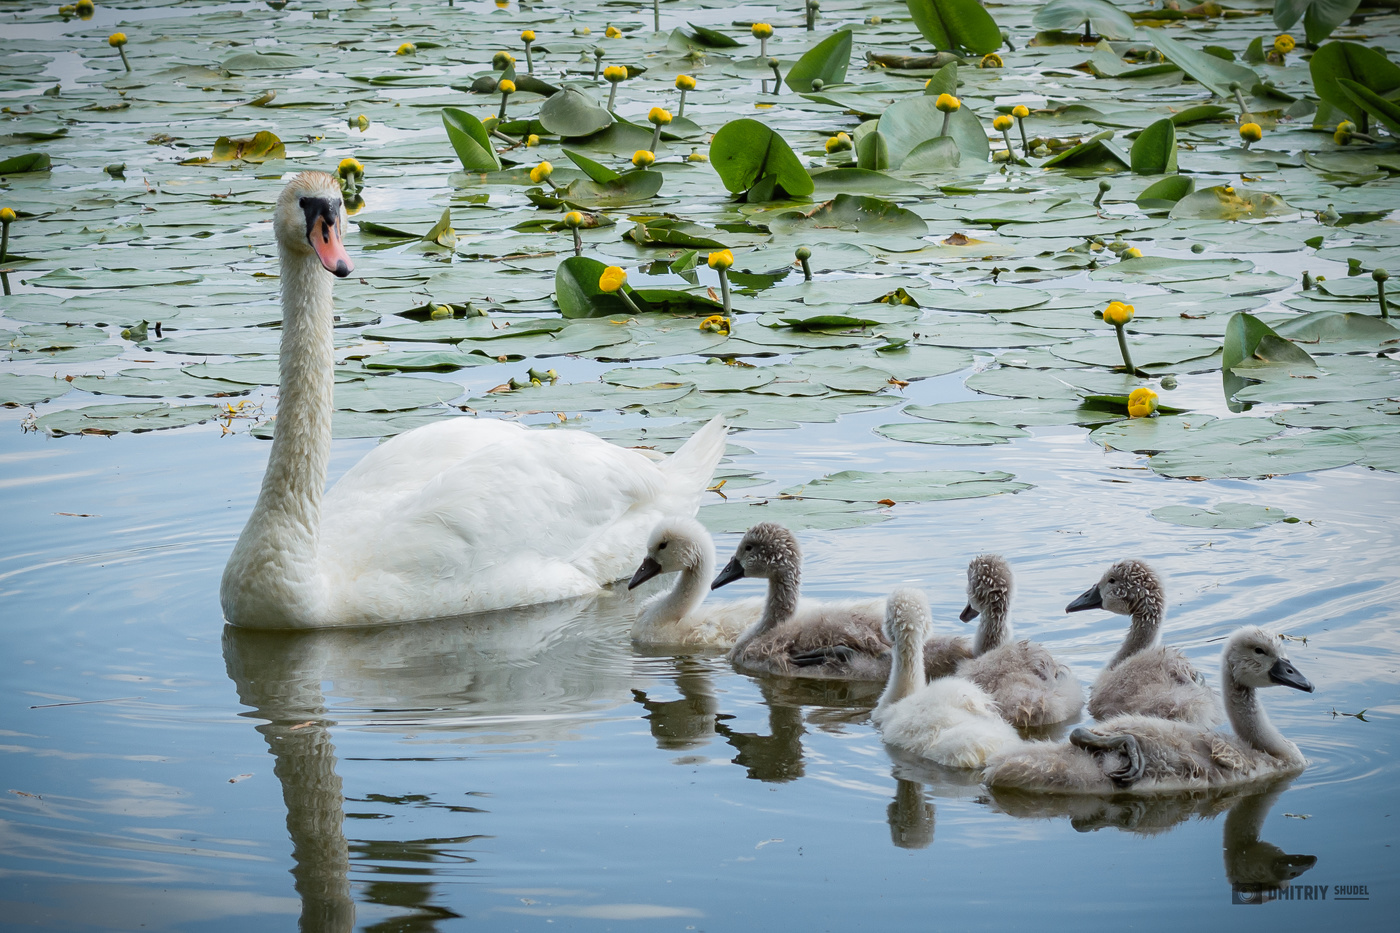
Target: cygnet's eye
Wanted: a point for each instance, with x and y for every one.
(748, 547)
(1258, 650)
(662, 545)
(1112, 581)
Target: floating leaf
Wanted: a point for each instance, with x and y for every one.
(1298, 453)
(1238, 516)
(1215, 73)
(18, 389)
(1071, 15)
(263, 146)
(953, 24)
(951, 433)
(1226, 202)
(755, 161)
(133, 417)
(907, 486)
(737, 516)
(29, 162)
(826, 61)
(572, 113)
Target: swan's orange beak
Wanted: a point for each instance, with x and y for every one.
(325, 240)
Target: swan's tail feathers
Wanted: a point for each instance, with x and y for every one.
(691, 468)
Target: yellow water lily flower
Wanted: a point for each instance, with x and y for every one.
(761, 30)
(685, 83)
(613, 278)
(612, 32)
(1284, 44)
(658, 116)
(643, 158)
(721, 259)
(991, 60)
(1132, 252)
(1342, 136)
(527, 36)
(540, 172)
(532, 141)
(716, 324)
(615, 73)
(573, 220)
(1141, 402)
(1251, 132)
(408, 48)
(1002, 122)
(1117, 313)
(506, 86)
(350, 166)
(1020, 111)
(85, 8)
(502, 60)
(116, 40)
(947, 103)
(697, 157)
(7, 215)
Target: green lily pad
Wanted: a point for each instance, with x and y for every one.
(907, 486)
(738, 515)
(583, 396)
(132, 417)
(1070, 16)
(1297, 453)
(470, 141)
(954, 24)
(16, 389)
(1236, 516)
(754, 161)
(1175, 432)
(963, 434)
(826, 62)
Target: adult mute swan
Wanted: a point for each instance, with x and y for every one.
(679, 615)
(1030, 687)
(460, 516)
(1146, 754)
(1144, 677)
(837, 639)
(950, 721)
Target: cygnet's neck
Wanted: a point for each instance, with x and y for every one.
(1251, 723)
(994, 629)
(784, 590)
(273, 574)
(686, 596)
(906, 664)
(1142, 632)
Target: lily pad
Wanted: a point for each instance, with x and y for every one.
(1238, 516)
(907, 486)
(132, 417)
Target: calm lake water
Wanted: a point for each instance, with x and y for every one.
(162, 771)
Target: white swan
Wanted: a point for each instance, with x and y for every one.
(836, 639)
(464, 515)
(679, 615)
(950, 721)
(1146, 754)
(1030, 687)
(1144, 677)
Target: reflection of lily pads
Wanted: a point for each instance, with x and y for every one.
(1223, 515)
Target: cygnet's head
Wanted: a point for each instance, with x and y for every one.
(767, 550)
(907, 618)
(988, 587)
(675, 544)
(310, 218)
(1255, 658)
(1127, 588)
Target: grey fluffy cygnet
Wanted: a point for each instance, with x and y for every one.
(1144, 677)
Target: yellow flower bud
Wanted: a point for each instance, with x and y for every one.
(947, 103)
(1020, 111)
(643, 158)
(440, 312)
(716, 324)
(532, 141)
(1002, 122)
(1284, 44)
(408, 48)
(350, 166)
(721, 259)
(697, 157)
(762, 30)
(991, 60)
(85, 8)
(1251, 132)
(7, 215)
(658, 116)
(502, 60)
(615, 73)
(540, 172)
(573, 220)
(612, 32)
(506, 86)
(1117, 313)
(1132, 252)
(612, 279)
(1141, 402)
(361, 122)
(116, 40)
(1342, 136)
(528, 36)
(685, 83)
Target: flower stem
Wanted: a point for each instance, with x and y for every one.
(655, 15)
(627, 300)
(502, 115)
(680, 111)
(578, 243)
(724, 292)
(655, 137)
(1123, 345)
(5, 249)
(122, 52)
(612, 97)
(529, 60)
(947, 118)
(806, 270)
(1025, 144)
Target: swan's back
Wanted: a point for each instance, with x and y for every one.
(469, 514)
(1159, 682)
(1029, 685)
(824, 639)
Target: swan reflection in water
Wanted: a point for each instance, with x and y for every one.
(536, 669)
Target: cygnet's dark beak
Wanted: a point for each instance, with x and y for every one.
(968, 613)
(649, 569)
(1089, 599)
(732, 571)
(1287, 675)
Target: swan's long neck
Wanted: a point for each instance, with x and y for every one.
(784, 589)
(906, 665)
(273, 576)
(1142, 633)
(994, 630)
(688, 593)
(1251, 723)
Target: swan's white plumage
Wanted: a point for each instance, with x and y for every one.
(950, 721)
(464, 515)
